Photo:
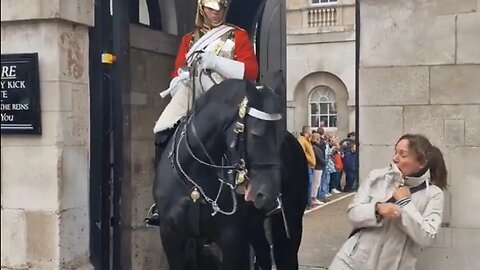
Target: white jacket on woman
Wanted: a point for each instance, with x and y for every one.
(390, 244)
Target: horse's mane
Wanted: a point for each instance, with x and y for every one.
(231, 92)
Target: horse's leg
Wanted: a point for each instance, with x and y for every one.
(235, 250)
(285, 250)
(294, 197)
(174, 249)
(262, 251)
(259, 241)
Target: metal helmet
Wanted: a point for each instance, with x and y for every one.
(213, 4)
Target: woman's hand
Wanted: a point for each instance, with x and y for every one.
(402, 193)
(388, 210)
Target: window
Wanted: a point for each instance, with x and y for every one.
(322, 107)
(316, 2)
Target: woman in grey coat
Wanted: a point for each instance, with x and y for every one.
(397, 210)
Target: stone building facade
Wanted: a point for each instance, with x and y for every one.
(420, 73)
(420, 67)
(321, 65)
(44, 178)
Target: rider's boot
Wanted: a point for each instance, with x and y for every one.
(161, 141)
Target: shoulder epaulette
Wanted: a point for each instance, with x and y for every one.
(236, 27)
(189, 33)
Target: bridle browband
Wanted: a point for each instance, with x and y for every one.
(237, 170)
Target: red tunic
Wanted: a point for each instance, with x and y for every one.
(243, 52)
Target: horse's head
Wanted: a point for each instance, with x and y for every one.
(247, 124)
(252, 139)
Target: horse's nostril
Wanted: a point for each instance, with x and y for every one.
(261, 196)
(260, 200)
(264, 202)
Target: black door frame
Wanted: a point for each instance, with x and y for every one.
(100, 137)
(121, 86)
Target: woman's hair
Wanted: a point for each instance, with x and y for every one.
(430, 155)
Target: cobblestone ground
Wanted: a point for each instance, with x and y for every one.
(324, 231)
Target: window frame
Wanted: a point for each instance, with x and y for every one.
(323, 92)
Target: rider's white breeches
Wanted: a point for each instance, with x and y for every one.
(181, 102)
(175, 109)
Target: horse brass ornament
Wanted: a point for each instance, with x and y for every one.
(241, 175)
(195, 195)
(243, 108)
(242, 111)
(239, 128)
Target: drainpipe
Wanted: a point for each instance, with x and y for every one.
(120, 118)
(357, 86)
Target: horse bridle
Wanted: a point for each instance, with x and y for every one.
(238, 143)
(239, 166)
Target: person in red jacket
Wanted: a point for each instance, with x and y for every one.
(216, 51)
(234, 44)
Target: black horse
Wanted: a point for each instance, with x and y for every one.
(229, 144)
(285, 228)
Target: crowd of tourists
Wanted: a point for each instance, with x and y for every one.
(329, 161)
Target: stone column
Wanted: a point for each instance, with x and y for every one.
(44, 178)
(420, 67)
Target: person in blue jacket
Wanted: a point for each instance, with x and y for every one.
(350, 158)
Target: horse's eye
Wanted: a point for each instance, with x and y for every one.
(259, 128)
(256, 137)
(258, 131)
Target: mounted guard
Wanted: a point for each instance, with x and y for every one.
(223, 149)
(212, 53)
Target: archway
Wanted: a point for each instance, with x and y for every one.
(300, 110)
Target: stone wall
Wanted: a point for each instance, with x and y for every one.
(44, 178)
(420, 67)
(152, 56)
(320, 55)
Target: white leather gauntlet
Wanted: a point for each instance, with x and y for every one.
(183, 77)
(228, 68)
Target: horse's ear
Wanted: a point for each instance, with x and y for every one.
(274, 80)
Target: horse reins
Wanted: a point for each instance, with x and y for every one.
(239, 166)
(239, 143)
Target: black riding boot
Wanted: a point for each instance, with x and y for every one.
(161, 141)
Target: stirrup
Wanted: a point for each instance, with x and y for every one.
(153, 218)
